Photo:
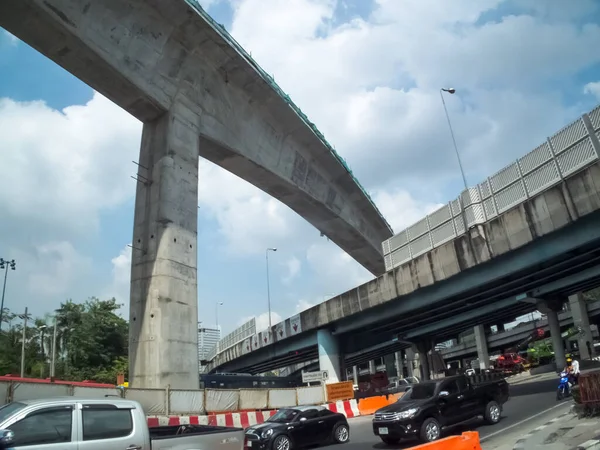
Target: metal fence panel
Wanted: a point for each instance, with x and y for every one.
(186, 402)
(220, 400)
(33, 391)
(282, 398)
(91, 392)
(254, 399)
(153, 401)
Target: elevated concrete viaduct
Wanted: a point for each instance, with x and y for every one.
(198, 93)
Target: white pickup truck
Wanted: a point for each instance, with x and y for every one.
(109, 423)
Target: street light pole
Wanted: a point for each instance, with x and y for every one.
(4, 264)
(53, 360)
(462, 172)
(24, 317)
(217, 315)
(269, 286)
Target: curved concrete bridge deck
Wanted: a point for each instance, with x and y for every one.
(153, 56)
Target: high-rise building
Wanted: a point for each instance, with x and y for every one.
(207, 341)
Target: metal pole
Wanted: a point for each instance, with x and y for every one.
(23, 344)
(268, 290)
(52, 361)
(462, 172)
(3, 292)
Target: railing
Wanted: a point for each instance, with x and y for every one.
(571, 149)
(220, 29)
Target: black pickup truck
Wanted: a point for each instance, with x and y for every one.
(428, 407)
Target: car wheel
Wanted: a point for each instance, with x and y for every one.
(390, 441)
(281, 442)
(492, 412)
(430, 430)
(341, 434)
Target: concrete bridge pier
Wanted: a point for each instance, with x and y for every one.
(422, 348)
(551, 307)
(163, 335)
(581, 319)
(482, 350)
(330, 357)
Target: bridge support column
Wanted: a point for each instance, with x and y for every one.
(163, 314)
(372, 368)
(482, 350)
(422, 348)
(500, 327)
(329, 355)
(398, 363)
(412, 363)
(581, 320)
(551, 309)
(355, 375)
(390, 365)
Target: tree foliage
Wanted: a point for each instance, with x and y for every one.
(91, 342)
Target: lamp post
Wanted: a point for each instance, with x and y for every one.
(269, 285)
(4, 264)
(462, 172)
(217, 315)
(24, 317)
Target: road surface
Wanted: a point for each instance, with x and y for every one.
(529, 403)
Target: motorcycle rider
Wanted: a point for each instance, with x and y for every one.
(574, 371)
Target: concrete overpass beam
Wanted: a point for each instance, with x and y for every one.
(163, 332)
(581, 320)
(551, 307)
(481, 344)
(330, 357)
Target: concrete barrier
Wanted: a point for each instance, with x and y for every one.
(466, 441)
(243, 419)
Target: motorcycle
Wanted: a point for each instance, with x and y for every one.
(564, 387)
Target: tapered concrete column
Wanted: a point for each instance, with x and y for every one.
(329, 355)
(551, 309)
(412, 363)
(581, 320)
(422, 348)
(481, 344)
(372, 368)
(163, 325)
(398, 362)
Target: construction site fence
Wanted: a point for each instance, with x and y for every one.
(173, 401)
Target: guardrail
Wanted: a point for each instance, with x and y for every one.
(571, 149)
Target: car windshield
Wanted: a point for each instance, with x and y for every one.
(422, 391)
(283, 416)
(9, 409)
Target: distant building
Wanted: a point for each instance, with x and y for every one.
(207, 341)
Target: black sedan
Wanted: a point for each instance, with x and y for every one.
(298, 427)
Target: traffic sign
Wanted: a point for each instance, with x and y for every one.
(313, 377)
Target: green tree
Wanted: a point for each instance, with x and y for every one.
(91, 342)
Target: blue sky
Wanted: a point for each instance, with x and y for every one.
(367, 73)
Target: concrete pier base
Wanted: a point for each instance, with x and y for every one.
(163, 335)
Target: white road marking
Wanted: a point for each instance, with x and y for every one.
(523, 421)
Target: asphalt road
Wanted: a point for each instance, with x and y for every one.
(527, 401)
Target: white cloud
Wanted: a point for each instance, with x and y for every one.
(592, 89)
(293, 266)
(52, 267)
(68, 165)
(121, 277)
(262, 320)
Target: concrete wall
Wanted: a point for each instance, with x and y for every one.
(540, 215)
(153, 56)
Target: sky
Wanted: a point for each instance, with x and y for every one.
(368, 73)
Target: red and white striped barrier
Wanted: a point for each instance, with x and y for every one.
(237, 419)
(349, 408)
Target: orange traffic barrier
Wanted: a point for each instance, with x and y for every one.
(369, 405)
(467, 441)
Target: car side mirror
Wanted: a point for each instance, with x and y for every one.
(7, 438)
(444, 394)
